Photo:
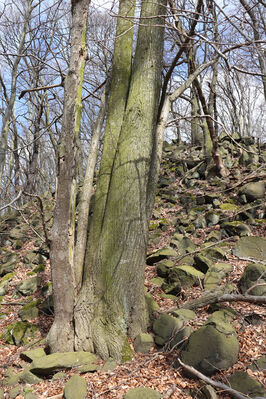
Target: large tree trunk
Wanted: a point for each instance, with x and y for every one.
(60, 337)
(111, 303)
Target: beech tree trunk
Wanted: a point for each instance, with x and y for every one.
(61, 334)
(111, 304)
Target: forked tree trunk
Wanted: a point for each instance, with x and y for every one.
(111, 303)
(60, 337)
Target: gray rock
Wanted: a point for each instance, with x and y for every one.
(75, 388)
(253, 191)
(143, 343)
(32, 354)
(209, 392)
(29, 311)
(29, 286)
(214, 253)
(215, 274)
(212, 347)
(29, 378)
(186, 275)
(251, 247)
(142, 393)
(163, 253)
(254, 273)
(242, 382)
(202, 263)
(60, 361)
(14, 392)
(170, 330)
(236, 229)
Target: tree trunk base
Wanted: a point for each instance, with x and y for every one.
(60, 337)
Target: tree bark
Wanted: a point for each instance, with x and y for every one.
(111, 303)
(60, 337)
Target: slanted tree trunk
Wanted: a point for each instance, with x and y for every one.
(60, 337)
(111, 303)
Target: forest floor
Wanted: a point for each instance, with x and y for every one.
(155, 369)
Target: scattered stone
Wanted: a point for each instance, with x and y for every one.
(19, 332)
(214, 253)
(32, 354)
(29, 311)
(88, 368)
(109, 365)
(14, 392)
(59, 376)
(253, 191)
(30, 395)
(9, 263)
(143, 343)
(212, 347)
(59, 361)
(254, 273)
(259, 364)
(164, 267)
(209, 392)
(142, 393)
(215, 274)
(184, 314)
(236, 229)
(202, 263)
(186, 275)
(251, 247)
(29, 286)
(29, 378)
(161, 254)
(242, 382)
(75, 388)
(170, 330)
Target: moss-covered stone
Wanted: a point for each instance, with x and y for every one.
(202, 263)
(29, 311)
(215, 274)
(127, 353)
(236, 228)
(142, 393)
(243, 382)
(184, 314)
(215, 253)
(14, 392)
(163, 253)
(19, 332)
(251, 247)
(254, 273)
(32, 354)
(253, 191)
(59, 361)
(75, 388)
(212, 347)
(143, 343)
(170, 330)
(29, 286)
(186, 275)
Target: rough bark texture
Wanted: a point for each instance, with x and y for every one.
(60, 337)
(111, 303)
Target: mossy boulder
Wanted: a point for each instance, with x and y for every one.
(251, 247)
(170, 330)
(236, 229)
(253, 191)
(215, 274)
(27, 287)
(184, 314)
(185, 274)
(32, 354)
(8, 263)
(143, 343)
(164, 267)
(75, 388)
(212, 347)
(202, 263)
(49, 364)
(254, 273)
(214, 253)
(29, 311)
(142, 393)
(243, 382)
(163, 253)
(19, 332)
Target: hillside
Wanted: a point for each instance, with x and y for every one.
(206, 268)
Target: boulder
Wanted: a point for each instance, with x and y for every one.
(18, 333)
(202, 263)
(170, 330)
(32, 354)
(236, 229)
(253, 191)
(185, 274)
(8, 263)
(214, 253)
(59, 361)
(142, 393)
(215, 274)
(75, 388)
(29, 286)
(29, 311)
(242, 382)
(251, 247)
(212, 347)
(254, 273)
(143, 343)
(163, 253)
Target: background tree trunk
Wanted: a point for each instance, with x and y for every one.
(111, 304)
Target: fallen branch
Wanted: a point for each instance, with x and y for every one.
(215, 384)
(219, 296)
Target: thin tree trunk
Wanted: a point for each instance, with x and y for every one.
(60, 337)
(11, 101)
